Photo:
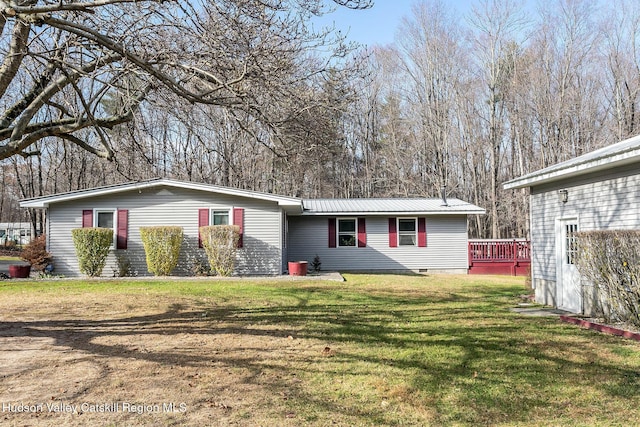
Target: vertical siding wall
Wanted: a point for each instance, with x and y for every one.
(599, 201)
(261, 253)
(446, 246)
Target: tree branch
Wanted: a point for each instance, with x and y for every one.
(62, 129)
(108, 43)
(13, 59)
(75, 6)
(53, 88)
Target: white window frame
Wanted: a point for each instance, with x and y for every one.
(405, 233)
(355, 233)
(228, 211)
(114, 212)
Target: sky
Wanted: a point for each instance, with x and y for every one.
(378, 24)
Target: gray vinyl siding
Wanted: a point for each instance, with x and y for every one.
(446, 246)
(261, 253)
(598, 201)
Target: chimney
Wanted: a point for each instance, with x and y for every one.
(443, 195)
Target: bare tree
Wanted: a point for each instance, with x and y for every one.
(431, 58)
(498, 24)
(73, 70)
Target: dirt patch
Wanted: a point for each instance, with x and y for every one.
(150, 361)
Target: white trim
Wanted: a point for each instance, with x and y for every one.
(228, 211)
(396, 213)
(43, 202)
(415, 231)
(114, 212)
(355, 233)
(560, 253)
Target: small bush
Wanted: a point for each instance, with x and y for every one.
(316, 264)
(200, 268)
(220, 242)
(92, 247)
(162, 248)
(123, 266)
(35, 253)
(610, 260)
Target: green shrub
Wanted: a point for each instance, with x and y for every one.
(610, 260)
(220, 242)
(162, 248)
(92, 247)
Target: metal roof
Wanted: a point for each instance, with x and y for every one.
(294, 206)
(45, 201)
(388, 206)
(609, 157)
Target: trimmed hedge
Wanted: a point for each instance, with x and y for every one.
(610, 260)
(92, 247)
(162, 248)
(220, 242)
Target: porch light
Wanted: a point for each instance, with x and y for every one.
(563, 195)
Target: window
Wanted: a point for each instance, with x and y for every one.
(407, 232)
(105, 219)
(571, 244)
(207, 216)
(347, 232)
(219, 217)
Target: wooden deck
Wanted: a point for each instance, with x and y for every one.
(507, 257)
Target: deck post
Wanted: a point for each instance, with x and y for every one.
(515, 257)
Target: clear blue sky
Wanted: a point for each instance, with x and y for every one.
(378, 24)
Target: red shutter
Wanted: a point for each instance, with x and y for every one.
(123, 229)
(393, 234)
(362, 233)
(87, 218)
(203, 221)
(332, 232)
(238, 219)
(422, 232)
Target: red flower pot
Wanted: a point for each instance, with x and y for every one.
(298, 268)
(19, 271)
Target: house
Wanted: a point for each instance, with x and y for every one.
(16, 232)
(595, 191)
(383, 234)
(352, 234)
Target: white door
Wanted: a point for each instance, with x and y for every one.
(568, 289)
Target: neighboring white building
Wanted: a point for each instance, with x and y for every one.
(347, 234)
(18, 232)
(599, 190)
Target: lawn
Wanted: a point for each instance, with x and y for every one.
(373, 350)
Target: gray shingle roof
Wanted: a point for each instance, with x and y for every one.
(387, 206)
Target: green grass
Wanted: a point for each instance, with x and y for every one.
(399, 350)
(9, 258)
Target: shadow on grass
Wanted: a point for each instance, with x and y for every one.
(462, 353)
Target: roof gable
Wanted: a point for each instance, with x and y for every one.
(43, 202)
(609, 157)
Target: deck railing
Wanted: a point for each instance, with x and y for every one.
(499, 255)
